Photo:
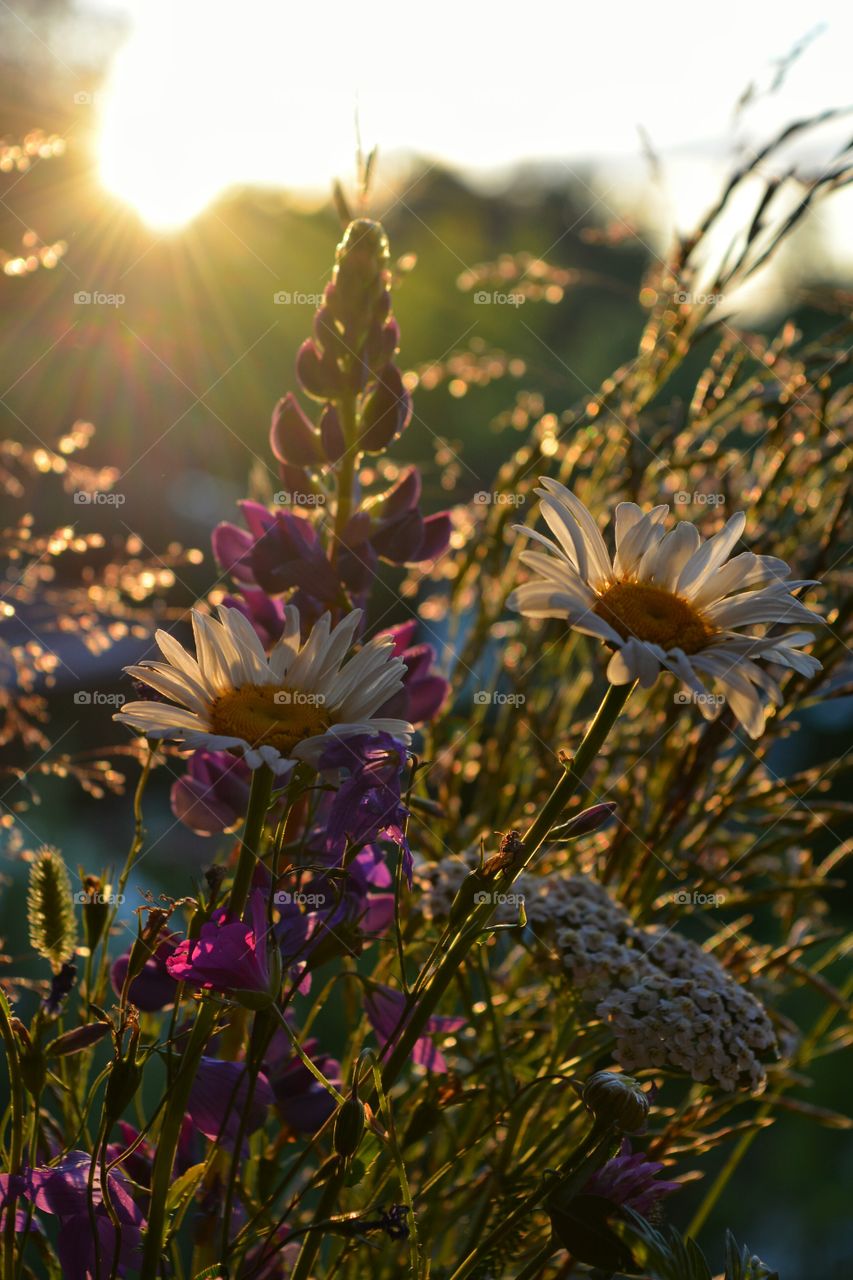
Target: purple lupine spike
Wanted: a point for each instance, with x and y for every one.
(423, 690)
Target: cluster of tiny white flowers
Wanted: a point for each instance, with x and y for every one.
(667, 1002)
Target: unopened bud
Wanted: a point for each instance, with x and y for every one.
(292, 437)
(349, 1126)
(584, 823)
(77, 1040)
(331, 434)
(616, 1099)
(319, 375)
(96, 910)
(386, 412)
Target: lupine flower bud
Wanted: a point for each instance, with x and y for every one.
(616, 1099)
(50, 907)
(360, 277)
(332, 434)
(387, 411)
(292, 437)
(318, 374)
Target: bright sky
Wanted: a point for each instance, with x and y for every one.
(208, 93)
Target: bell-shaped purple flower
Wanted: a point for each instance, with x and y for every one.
(232, 956)
(219, 1101)
(61, 1190)
(154, 987)
(304, 1104)
(213, 794)
(368, 804)
(387, 1014)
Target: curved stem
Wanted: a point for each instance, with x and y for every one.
(606, 716)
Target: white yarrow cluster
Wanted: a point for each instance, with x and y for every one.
(667, 1002)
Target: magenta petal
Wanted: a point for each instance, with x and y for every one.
(437, 531)
(231, 546)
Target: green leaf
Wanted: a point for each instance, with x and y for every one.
(182, 1188)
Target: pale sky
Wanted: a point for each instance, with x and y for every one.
(207, 93)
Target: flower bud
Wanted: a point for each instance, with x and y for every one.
(386, 412)
(586, 822)
(360, 277)
(292, 437)
(349, 1126)
(76, 1040)
(331, 434)
(96, 910)
(319, 375)
(617, 1100)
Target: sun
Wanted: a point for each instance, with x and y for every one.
(197, 103)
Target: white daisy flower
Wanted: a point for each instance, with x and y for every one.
(273, 710)
(669, 599)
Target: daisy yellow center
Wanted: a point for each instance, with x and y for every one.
(655, 615)
(269, 716)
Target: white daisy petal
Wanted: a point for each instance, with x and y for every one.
(663, 561)
(273, 712)
(172, 684)
(600, 568)
(681, 601)
(710, 556)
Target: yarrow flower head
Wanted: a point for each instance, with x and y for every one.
(665, 1000)
(669, 600)
(273, 710)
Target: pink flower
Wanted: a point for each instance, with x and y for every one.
(386, 1010)
(232, 956)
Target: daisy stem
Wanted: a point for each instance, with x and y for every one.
(259, 803)
(571, 781)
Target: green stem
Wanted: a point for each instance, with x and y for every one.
(591, 1153)
(250, 849)
(132, 854)
(533, 1269)
(571, 781)
(179, 1090)
(325, 1206)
